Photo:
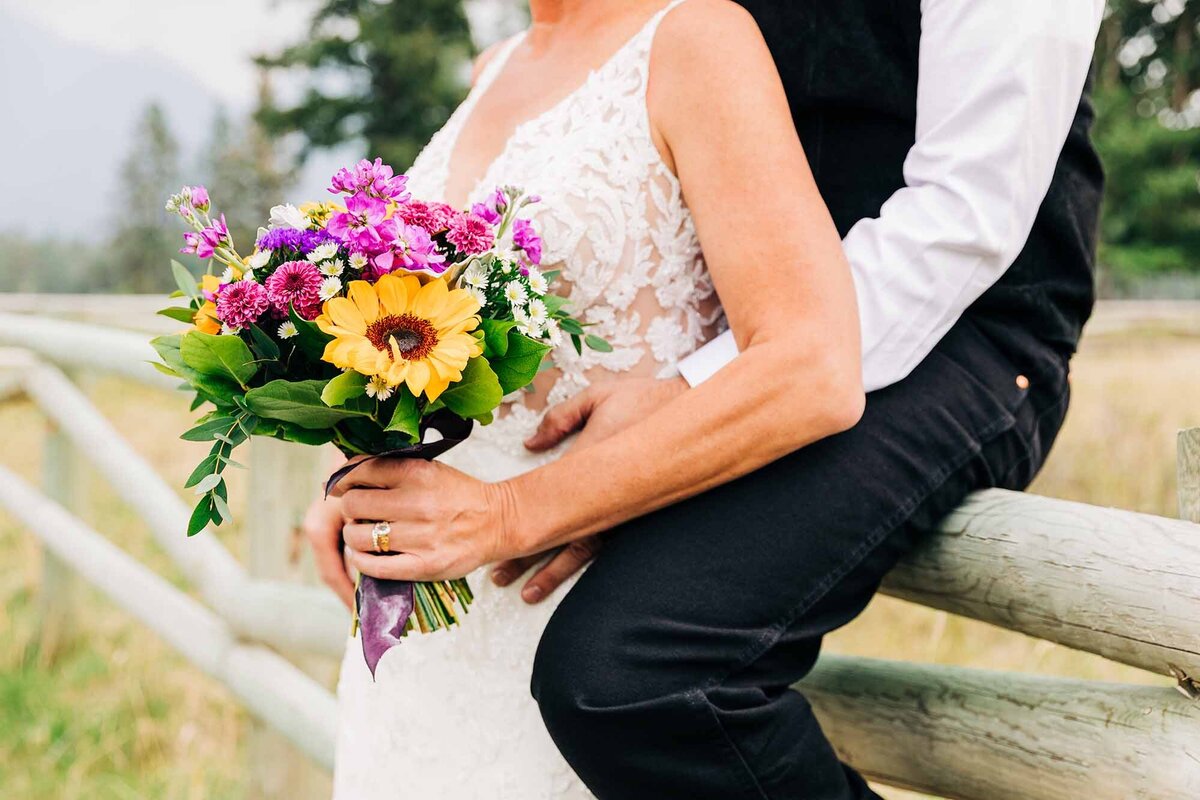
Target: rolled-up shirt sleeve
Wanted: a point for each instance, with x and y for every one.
(999, 86)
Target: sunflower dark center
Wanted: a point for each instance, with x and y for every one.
(415, 337)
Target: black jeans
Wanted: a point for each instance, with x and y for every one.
(665, 673)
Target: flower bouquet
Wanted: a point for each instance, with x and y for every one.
(364, 324)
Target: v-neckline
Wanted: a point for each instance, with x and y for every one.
(493, 74)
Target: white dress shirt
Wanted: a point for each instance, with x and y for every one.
(999, 85)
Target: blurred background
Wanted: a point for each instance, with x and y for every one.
(109, 106)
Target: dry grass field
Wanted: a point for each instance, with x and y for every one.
(114, 713)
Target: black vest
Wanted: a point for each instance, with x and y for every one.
(850, 71)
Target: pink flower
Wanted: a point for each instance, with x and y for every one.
(470, 234)
(433, 217)
(412, 249)
(493, 209)
(240, 303)
(199, 197)
(375, 180)
(360, 224)
(527, 240)
(295, 284)
(204, 243)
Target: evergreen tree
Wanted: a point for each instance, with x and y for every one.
(144, 236)
(402, 66)
(248, 172)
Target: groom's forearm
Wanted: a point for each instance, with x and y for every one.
(766, 404)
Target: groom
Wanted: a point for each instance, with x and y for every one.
(950, 142)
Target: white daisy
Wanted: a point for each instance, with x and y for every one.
(258, 260)
(553, 332)
(323, 253)
(514, 292)
(505, 265)
(333, 267)
(537, 312)
(229, 330)
(287, 330)
(537, 281)
(479, 295)
(227, 275)
(330, 287)
(377, 387)
(358, 261)
(476, 276)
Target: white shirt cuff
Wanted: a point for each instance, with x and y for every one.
(708, 360)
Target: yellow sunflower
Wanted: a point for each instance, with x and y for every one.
(403, 332)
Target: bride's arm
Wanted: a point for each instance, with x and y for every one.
(776, 260)
(722, 119)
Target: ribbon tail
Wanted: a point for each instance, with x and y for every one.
(383, 611)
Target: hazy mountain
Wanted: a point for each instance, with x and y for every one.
(66, 114)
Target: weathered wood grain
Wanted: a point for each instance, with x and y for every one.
(983, 735)
(1120, 584)
(1189, 474)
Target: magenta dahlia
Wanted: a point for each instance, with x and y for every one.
(296, 284)
(470, 234)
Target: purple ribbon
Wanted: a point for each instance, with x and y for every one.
(384, 606)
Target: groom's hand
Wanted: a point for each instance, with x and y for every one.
(596, 413)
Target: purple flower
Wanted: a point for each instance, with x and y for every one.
(304, 242)
(433, 217)
(295, 284)
(199, 197)
(372, 179)
(240, 303)
(470, 234)
(493, 208)
(204, 243)
(527, 240)
(359, 226)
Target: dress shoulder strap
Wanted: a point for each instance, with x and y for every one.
(497, 62)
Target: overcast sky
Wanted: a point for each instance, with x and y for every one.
(213, 39)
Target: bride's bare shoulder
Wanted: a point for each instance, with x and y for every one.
(703, 39)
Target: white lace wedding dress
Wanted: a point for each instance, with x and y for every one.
(449, 715)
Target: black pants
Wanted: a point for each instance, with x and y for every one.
(665, 673)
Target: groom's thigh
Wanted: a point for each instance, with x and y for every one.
(737, 585)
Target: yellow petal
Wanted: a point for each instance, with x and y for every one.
(393, 295)
(345, 314)
(460, 305)
(417, 377)
(430, 300)
(364, 297)
(436, 386)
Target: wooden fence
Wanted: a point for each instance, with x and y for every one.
(1123, 585)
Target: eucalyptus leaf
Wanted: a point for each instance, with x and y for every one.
(598, 344)
(222, 508)
(201, 516)
(208, 483)
(208, 430)
(298, 402)
(348, 385)
(205, 467)
(185, 280)
(219, 355)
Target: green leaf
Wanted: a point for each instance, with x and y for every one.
(164, 369)
(208, 430)
(201, 516)
(167, 348)
(186, 281)
(554, 302)
(222, 508)
(577, 342)
(551, 275)
(263, 343)
(298, 402)
(520, 364)
(598, 344)
(179, 314)
(406, 418)
(309, 339)
(348, 385)
(571, 325)
(495, 335)
(477, 394)
(219, 355)
(205, 467)
(208, 483)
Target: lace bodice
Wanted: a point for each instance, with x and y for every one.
(449, 714)
(613, 219)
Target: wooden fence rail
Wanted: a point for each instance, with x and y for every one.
(1116, 583)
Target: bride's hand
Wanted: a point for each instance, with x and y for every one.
(600, 411)
(323, 528)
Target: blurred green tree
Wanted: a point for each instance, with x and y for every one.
(387, 72)
(247, 172)
(144, 236)
(1148, 133)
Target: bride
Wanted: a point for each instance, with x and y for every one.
(660, 140)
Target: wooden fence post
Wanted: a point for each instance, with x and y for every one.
(1189, 475)
(65, 477)
(283, 479)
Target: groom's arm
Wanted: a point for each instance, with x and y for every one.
(998, 88)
